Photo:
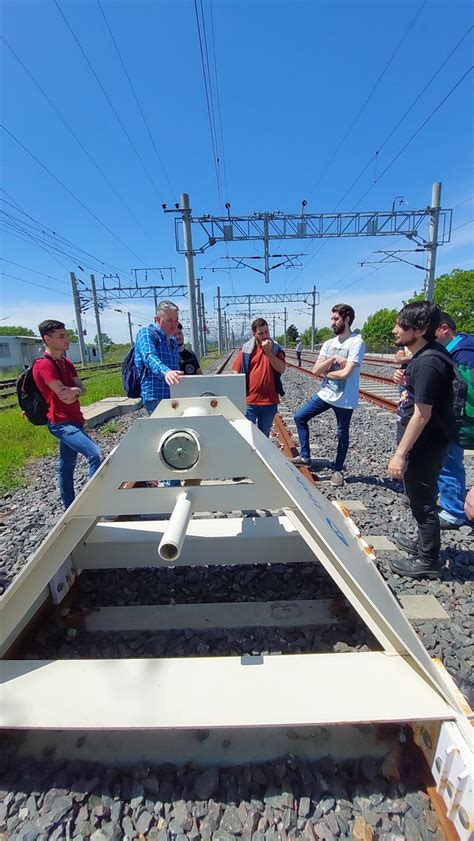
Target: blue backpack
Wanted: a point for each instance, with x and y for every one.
(131, 379)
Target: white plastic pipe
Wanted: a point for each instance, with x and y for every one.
(173, 537)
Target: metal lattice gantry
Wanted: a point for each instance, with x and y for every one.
(221, 302)
(276, 226)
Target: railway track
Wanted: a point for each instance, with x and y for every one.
(373, 387)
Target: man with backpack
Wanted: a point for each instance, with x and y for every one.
(157, 356)
(425, 426)
(57, 381)
(452, 478)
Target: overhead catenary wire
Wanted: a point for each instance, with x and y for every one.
(70, 193)
(35, 271)
(75, 252)
(394, 159)
(200, 22)
(31, 283)
(415, 134)
(73, 133)
(117, 116)
(370, 95)
(405, 114)
(145, 121)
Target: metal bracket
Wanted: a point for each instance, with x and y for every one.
(62, 581)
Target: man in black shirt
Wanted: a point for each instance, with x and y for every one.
(425, 425)
(188, 361)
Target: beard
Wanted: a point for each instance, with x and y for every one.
(338, 329)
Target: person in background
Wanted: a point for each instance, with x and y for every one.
(339, 362)
(188, 361)
(299, 348)
(262, 360)
(452, 478)
(157, 356)
(57, 380)
(425, 425)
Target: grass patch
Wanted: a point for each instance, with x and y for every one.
(110, 428)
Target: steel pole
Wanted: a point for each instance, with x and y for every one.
(273, 327)
(77, 310)
(189, 257)
(129, 317)
(284, 330)
(97, 320)
(433, 243)
(266, 253)
(313, 317)
(204, 325)
(219, 321)
(198, 303)
(155, 299)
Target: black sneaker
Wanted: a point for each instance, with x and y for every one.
(415, 568)
(403, 542)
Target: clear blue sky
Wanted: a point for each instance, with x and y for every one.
(292, 79)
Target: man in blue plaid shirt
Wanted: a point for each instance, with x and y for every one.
(157, 356)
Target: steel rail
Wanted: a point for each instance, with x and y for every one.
(390, 405)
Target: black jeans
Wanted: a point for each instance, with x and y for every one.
(421, 488)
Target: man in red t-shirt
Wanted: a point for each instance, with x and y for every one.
(262, 360)
(56, 378)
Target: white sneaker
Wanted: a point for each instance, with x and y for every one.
(337, 479)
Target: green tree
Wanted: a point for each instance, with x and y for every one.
(106, 341)
(323, 334)
(377, 330)
(72, 335)
(454, 293)
(292, 333)
(16, 331)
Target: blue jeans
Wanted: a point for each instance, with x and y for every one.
(316, 406)
(452, 486)
(150, 406)
(72, 440)
(262, 416)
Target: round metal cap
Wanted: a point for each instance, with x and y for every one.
(180, 450)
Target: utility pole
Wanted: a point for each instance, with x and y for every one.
(225, 332)
(219, 321)
(97, 320)
(284, 329)
(198, 302)
(204, 325)
(77, 310)
(155, 300)
(273, 334)
(433, 241)
(129, 317)
(313, 317)
(189, 257)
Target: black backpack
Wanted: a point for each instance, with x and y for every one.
(130, 377)
(31, 401)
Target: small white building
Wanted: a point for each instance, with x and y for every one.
(74, 353)
(19, 351)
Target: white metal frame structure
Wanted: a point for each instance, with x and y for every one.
(205, 441)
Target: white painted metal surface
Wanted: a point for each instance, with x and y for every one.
(143, 693)
(216, 692)
(240, 540)
(231, 386)
(171, 543)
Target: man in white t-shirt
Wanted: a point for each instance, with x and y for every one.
(339, 362)
(299, 348)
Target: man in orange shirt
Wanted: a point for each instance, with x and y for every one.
(262, 360)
